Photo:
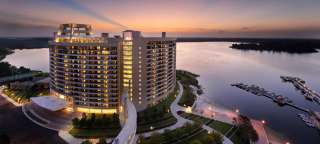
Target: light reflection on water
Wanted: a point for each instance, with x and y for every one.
(219, 66)
(36, 59)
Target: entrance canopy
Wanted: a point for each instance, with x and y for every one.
(51, 103)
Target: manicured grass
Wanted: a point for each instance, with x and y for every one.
(187, 79)
(220, 126)
(156, 124)
(183, 135)
(188, 97)
(157, 116)
(202, 138)
(201, 120)
(217, 125)
(94, 133)
(194, 138)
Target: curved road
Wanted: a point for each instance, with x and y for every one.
(21, 130)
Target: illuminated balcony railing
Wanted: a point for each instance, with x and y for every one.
(79, 40)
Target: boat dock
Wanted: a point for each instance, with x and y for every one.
(301, 86)
(279, 99)
(312, 119)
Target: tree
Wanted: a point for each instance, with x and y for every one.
(4, 139)
(76, 122)
(91, 122)
(114, 117)
(82, 123)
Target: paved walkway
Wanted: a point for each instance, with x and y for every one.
(174, 107)
(60, 120)
(259, 127)
(20, 129)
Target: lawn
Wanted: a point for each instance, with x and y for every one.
(220, 126)
(157, 116)
(217, 125)
(202, 137)
(183, 135)
(187, 79)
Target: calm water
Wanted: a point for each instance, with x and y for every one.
(36, 59)
(219, 66)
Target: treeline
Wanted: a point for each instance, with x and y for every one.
(289, 46)
(6, 47)
(4, 52)
(9, 70)
(24, 43)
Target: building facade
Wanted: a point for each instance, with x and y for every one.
(90, 72)
(149, 66)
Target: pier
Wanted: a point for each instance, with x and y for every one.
(312, 119)
(279, 99)
(301, 86)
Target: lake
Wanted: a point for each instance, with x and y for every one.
(219, 66)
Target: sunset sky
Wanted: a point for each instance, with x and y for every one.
(205, 18)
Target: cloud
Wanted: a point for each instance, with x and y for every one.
(80, 8)
(16, 29)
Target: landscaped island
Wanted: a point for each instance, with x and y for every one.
(289, 46)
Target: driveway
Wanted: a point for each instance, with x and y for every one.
(21, 130)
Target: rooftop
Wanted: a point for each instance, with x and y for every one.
(50, 102)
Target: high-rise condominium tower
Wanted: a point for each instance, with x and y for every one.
(91, 72)
(149, 63)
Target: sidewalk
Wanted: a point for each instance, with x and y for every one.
(174, 107)
(259, 127)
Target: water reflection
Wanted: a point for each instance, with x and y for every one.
(35, 59)
(219, 66)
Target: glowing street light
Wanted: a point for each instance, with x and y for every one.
(263, 121)
(287, 142)
(237, 111)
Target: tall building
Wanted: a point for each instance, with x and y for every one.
(91, 72)
(149, 65)
(84, 70)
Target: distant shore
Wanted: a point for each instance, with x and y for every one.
(294, 47)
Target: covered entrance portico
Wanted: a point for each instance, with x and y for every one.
(50, 112)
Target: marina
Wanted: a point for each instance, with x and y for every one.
(279, 99)
(311, 119)
(300, 84)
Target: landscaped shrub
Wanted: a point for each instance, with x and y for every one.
(246, 131)
(97, 121)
